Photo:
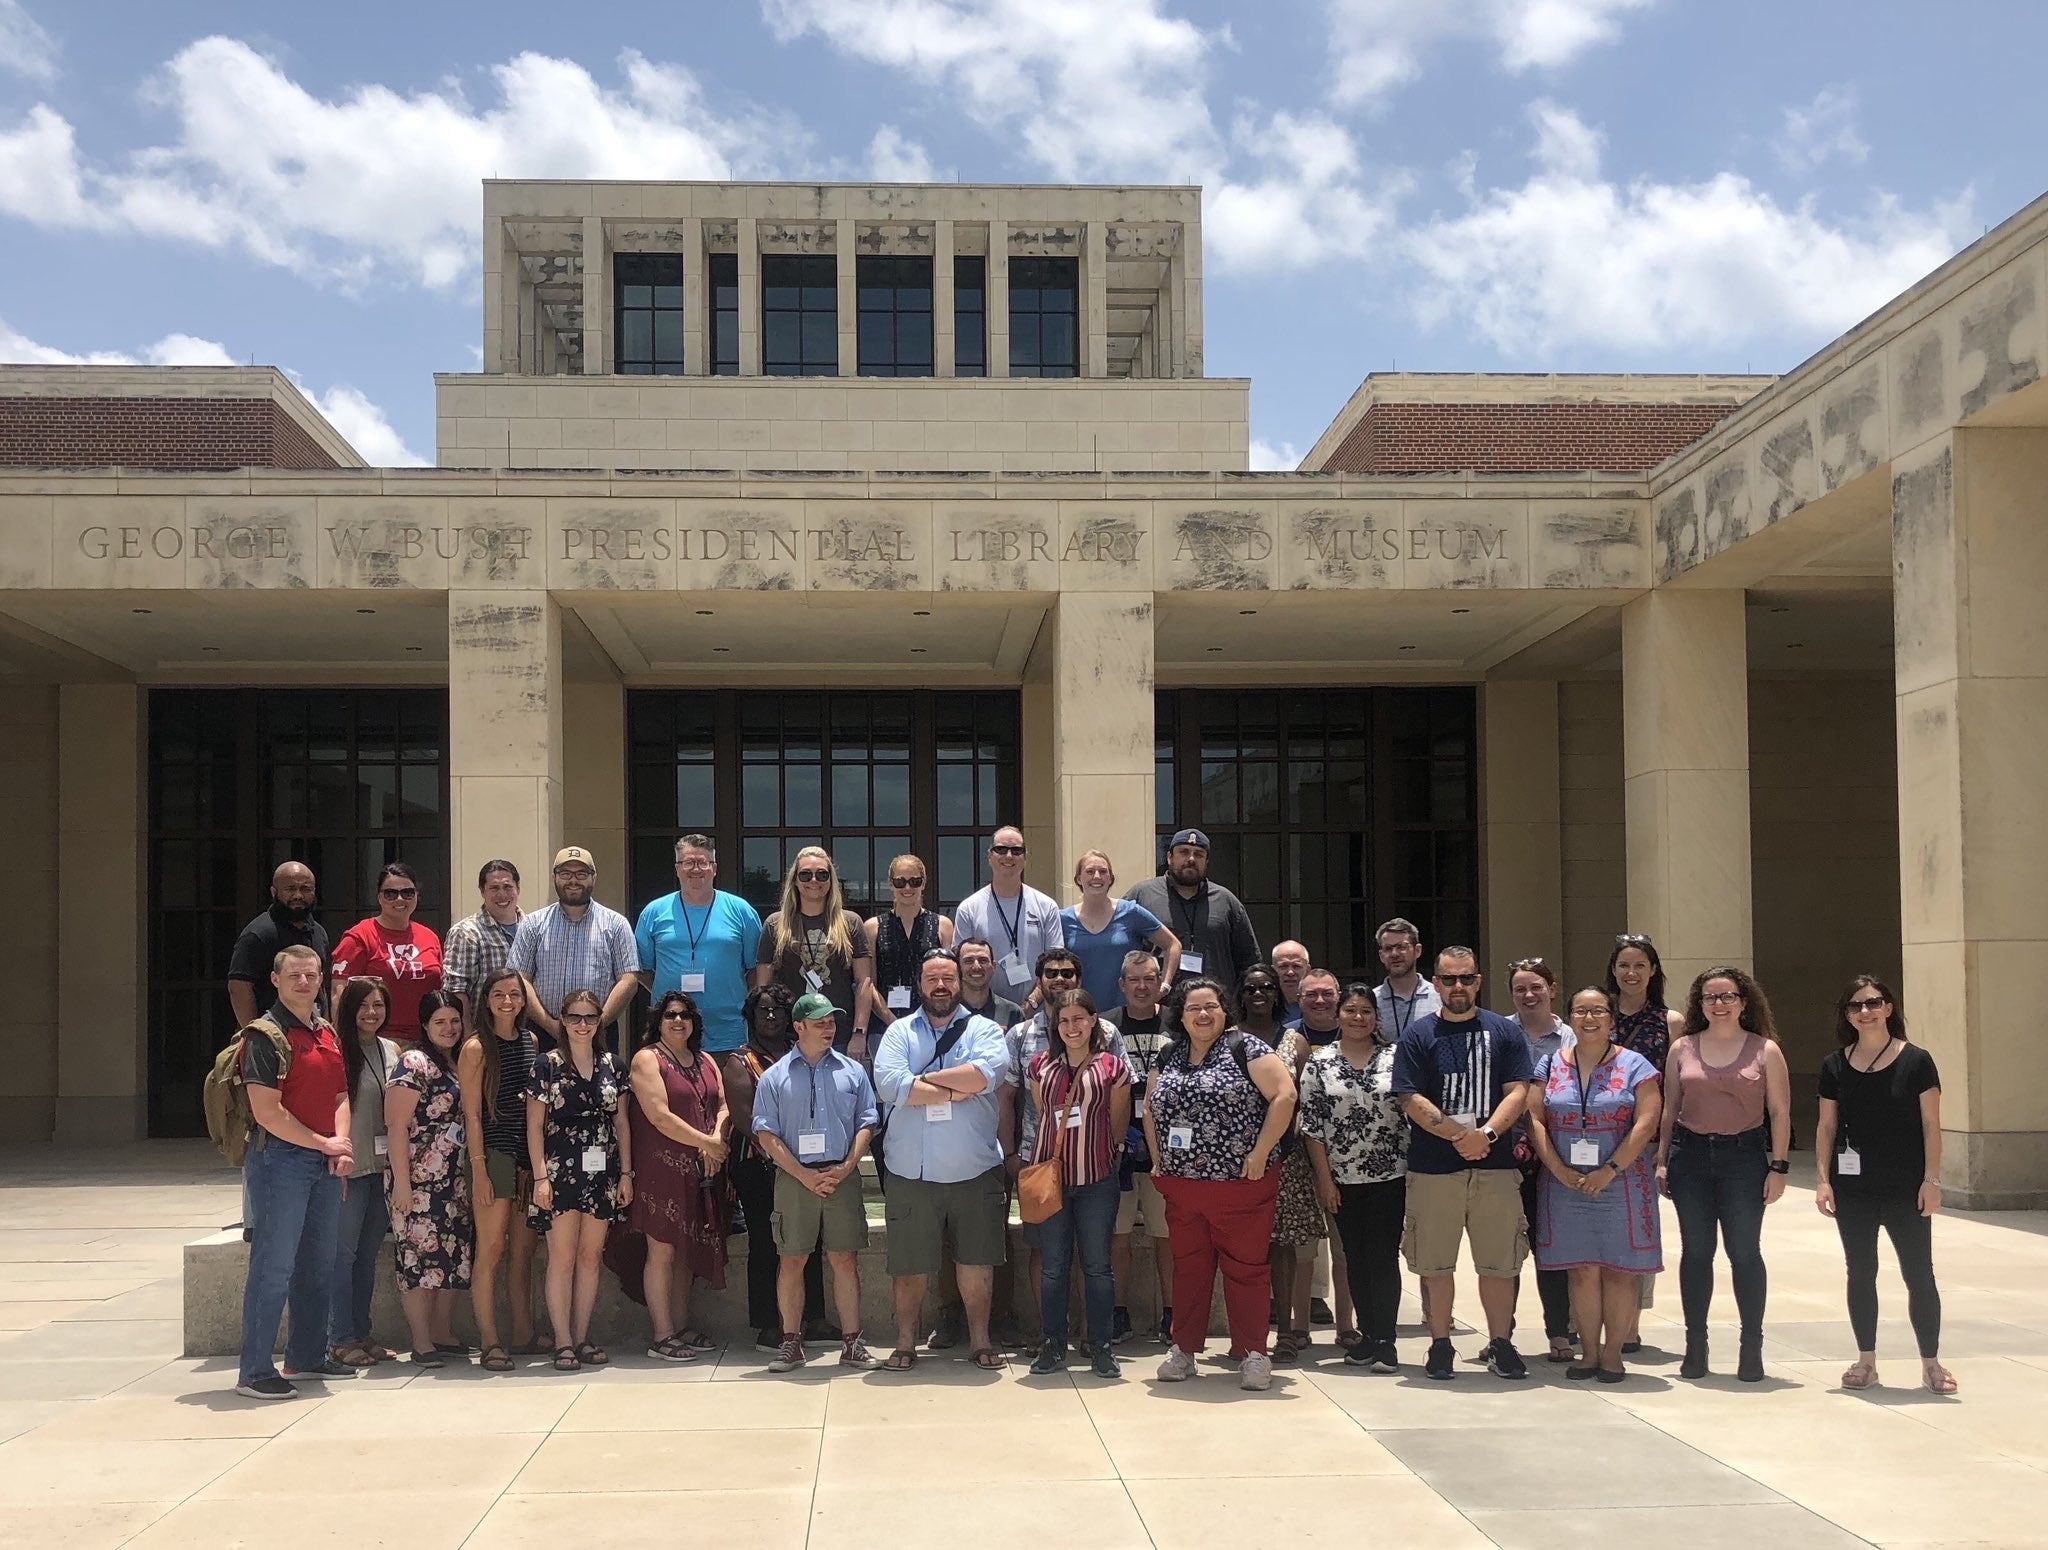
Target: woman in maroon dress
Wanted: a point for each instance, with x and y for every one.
(679, 1124)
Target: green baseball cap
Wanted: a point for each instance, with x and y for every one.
(811, 1008)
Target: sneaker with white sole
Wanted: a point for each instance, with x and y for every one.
(1255, 1372)
(1504, 1361)
(854, 1352)
(790, 1357)
(1178, 1366)
(266, 1388)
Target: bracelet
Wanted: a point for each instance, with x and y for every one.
(1935, 1182)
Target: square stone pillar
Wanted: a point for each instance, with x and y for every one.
(1095, 657)
(1685, 763)
(505, 742)
(749, 270)
(696, 299)
(1095, 300)
(1969, 567)
(943, 343)
(997, 297)
(845, 250)
(1187, 301)
(102, 890)
(597, 299)
(495, 278)
(594, 784)
(1524, 821)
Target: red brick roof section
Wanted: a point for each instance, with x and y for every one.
(1521, 438)
(180, 433)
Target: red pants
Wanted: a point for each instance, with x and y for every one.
(1226, 1220)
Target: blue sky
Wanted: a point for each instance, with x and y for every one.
(1659, 185)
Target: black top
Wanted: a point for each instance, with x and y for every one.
(256, 949)
(1143, 1036)
(505, 1131)
(1464, 1068)
(1879, 1114)
(899, 954)
(1000, 1010)
(1214, 923)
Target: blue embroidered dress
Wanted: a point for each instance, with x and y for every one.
(1620, 1228)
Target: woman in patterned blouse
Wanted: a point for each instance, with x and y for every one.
(1357, 1138)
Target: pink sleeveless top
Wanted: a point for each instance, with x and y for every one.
(1720, 1100)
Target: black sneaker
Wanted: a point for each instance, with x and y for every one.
(1443, 1361)
(266, 1388)
(1384, 1358)
(329, 1368)
(1052, 1357)
(1504, 1361)
(1319, 1312)
(1105, 1365)
(1120, 1327)
(1166, 1326)
(769, 1339)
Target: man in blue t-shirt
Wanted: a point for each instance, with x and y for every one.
(1462, 1076)
(701, 940)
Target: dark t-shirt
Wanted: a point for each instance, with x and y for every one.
(1142, 1035)
(1463, 1068)
(1316, 1040)
(1880, 1117)
(809, 949)
(1000, 1010)
(256, 949)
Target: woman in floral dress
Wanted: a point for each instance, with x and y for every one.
(582, 1170)
(431, 1232)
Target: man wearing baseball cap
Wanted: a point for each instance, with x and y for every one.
(1215, 931)
(575, 944)
(814, 1115)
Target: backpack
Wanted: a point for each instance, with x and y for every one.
(229, 1123)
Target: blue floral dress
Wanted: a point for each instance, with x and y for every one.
(581, 1120)
(1619, 1228)
(431, 1244)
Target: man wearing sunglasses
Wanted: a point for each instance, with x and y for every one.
(1014, 918)
(1462, 1075)
(575, 944)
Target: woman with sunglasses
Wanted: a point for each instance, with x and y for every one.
(899, 937)
(1878, 1147)
(815, 943)
(1102, 931)
(679, 1124)
(1645, 1023)
(393, 947)
(1298, 1223)
(582, 1161)
(1721, 1154)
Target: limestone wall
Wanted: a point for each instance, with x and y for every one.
(1590, 795)
(28, 816)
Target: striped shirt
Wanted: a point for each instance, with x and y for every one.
(560, 955)
(1463, 1067)
(1087, 1150)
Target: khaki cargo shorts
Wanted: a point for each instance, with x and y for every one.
(1483, 1204)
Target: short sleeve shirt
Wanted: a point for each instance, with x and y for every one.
(560, 954)
(1353, 1112)
(809, 949)
(255, 951)
(1026, 926)
(1216, 1103)
(705, 950)
(311, 1087)
(1087, 1149)
(1028, 1039)
(1463, 1068)
(1131, 929)
(408, 962)
(475, 946)
(1879, 1115)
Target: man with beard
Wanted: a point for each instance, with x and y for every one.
(288, 922)
(1404, 995)
(575, 944)
(1216, 936)
(1462, 1076)
(978, 983)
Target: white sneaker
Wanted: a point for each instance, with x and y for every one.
(1178, 1366)
(1255, 1371)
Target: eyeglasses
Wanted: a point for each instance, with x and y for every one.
(579, 1017)
(398, 893)
(906, 882)
(1006, 850)
(675, 1014)
(1319, 995)
(1719, 997)
(1581, 1013)
(1867, 1004)
(1457, 979)
(574, 874)
(813, 875)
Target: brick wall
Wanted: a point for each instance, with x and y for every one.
(194, 433)
(1520, 438)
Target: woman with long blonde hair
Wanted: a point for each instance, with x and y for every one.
(813, 942)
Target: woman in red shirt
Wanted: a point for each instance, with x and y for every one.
(393, 947)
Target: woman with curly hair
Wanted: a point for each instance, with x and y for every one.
(1726, 1128)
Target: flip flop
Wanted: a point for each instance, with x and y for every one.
(900, 1360)
(1861, 1376)
(989, 1359)
(1939, 1379)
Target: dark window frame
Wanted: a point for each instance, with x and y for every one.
(722, 299)
(889, 319)
(1036, 288)
(970, 319)
(813, 277)
(648, 285)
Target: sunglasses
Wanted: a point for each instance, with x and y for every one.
(812, 875)
(1631, 939)
(398, 893)
(1867, 1004)
(1006, 850)
(579, 1017)
(1457, 979)
(906, 882)
(1062, 974)
(675, 1014)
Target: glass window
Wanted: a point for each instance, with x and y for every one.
(723, 272)
(800, 316)
(970, 316)
(647, 314)
(1044, 304)
(895, 316)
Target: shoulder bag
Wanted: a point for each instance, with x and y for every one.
(1042, 1186)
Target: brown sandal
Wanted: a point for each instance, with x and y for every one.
(989, 1359)
(1939, 1379)
(900, 1360)
(1861, 1376)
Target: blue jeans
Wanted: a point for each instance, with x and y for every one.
(1717, 1184)
(291, 1255)
(364, 1222)
(1088, 1217)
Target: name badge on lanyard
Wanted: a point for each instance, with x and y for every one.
(593, 1159)
(692, 984)
(1585, 1153)
(810, 1143)
(1848, 1162)
(1190, 963)
(814, 979)
(1180, 1138)
(899, 998)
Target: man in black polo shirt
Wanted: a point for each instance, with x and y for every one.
(288, 922)
(1215, 931)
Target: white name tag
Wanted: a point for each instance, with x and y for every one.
(810, 1143)
(1014, 972)
(1138, 1109)
(814, 979)
(1180, 1138)
(899, 998)
(1847, 1163)
(938, 1113)
(1585, 1153)
(593, 1159)
(1074, 1120)
(382, 1146)
(1190, 963)
(692, 984)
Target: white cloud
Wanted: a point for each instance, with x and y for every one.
(1822, 130)
(1267, 456)
(171, 350)
(25, 48)
(365, 427)
(1572, 258)
(371, 180)
(895, 158)
(1377, 45)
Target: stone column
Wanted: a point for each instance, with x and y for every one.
(504, 730)
(749, 269)
(942, 299)
(1520, 798)
(597, 299)
(997, 296)
(1099, 663)
(696, 299)
(1094, 317)
(594, 784)
(1187, 302)
(1685, 763)
(846, 249)
(102, 889)
(495, 277)
(1970, 563)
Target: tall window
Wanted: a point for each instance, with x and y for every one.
(723, 272)
(970, 316)
(800, 316)
(895, 316)
(1044, 303)
(647, 313)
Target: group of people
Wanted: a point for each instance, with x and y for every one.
(1119, 1062)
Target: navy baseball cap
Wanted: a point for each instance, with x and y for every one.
(1189, 837)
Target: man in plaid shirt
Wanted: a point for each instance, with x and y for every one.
(479, 943)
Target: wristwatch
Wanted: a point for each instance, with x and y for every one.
(1780, 1165)
(1490, 1133)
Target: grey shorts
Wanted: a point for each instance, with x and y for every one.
(920, 1213)
(802, 1219)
